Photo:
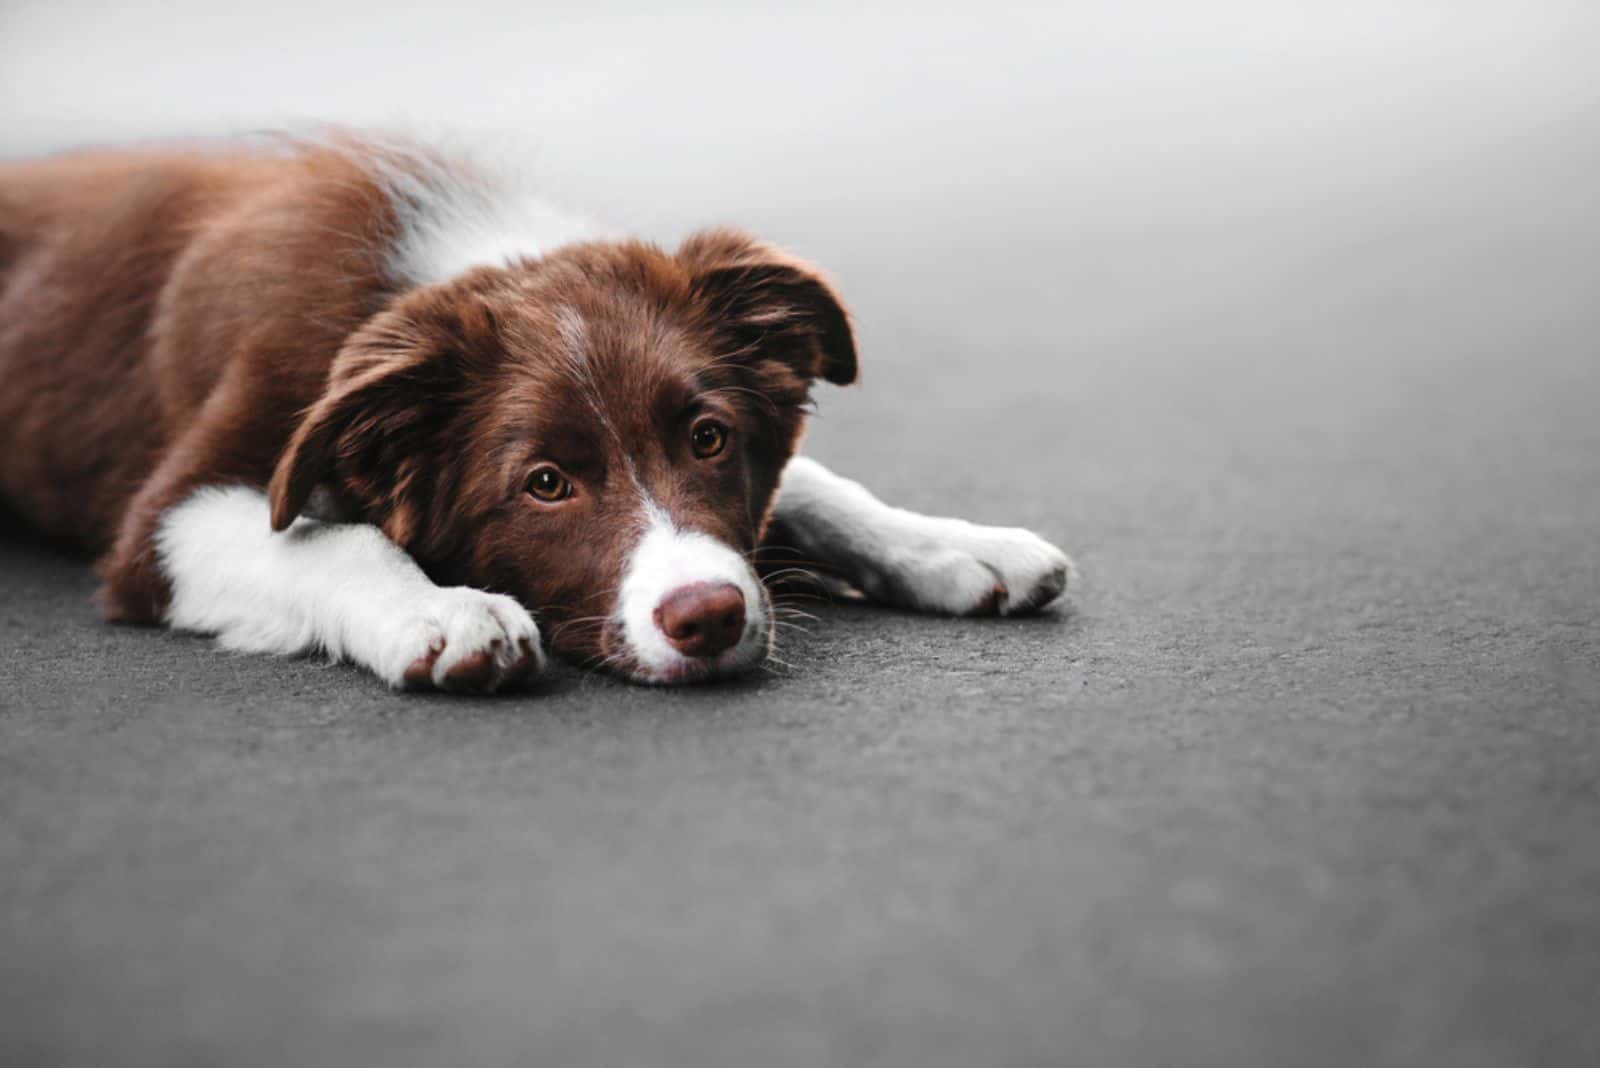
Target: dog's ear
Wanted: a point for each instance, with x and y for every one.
(374, 436)
(770, 305)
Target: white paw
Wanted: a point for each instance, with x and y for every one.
(461, 639)
(960, 568)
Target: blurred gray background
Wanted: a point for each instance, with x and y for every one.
(1283, 319)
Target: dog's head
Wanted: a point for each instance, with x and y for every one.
(598, 433)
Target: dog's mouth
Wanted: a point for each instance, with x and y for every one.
(661, 667)
(689, 608)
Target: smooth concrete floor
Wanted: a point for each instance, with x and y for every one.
(1305, 772)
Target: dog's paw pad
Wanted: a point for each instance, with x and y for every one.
(528, 663)
(1045, 589)
(418, 674)
(992, 602)
(475, 671)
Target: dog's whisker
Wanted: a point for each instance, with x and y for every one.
(776, 576)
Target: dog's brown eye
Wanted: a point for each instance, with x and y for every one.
(708, 437)
(548, 484)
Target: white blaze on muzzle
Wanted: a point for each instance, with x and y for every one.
(668, 559)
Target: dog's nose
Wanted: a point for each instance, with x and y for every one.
(702, 619)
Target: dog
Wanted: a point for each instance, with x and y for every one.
(359, 397)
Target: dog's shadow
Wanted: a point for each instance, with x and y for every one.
(848, 603)
(27, 554)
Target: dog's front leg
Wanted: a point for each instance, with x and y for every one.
(339, 588)
(928, 563)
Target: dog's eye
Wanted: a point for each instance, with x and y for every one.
(708, 437)
(548, 484)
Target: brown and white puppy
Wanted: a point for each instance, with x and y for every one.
(489, 413)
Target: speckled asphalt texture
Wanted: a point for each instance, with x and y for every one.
(1305, 772)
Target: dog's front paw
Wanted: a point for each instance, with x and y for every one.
(462, 640)
(959, 568)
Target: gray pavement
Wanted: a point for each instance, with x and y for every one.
(1288, 333)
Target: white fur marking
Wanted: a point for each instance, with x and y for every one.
(919, 561)
(665, 559)
(343, 589)
(453, 220)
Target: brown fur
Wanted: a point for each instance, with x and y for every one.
(170, 321)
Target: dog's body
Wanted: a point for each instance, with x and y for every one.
(198, 347)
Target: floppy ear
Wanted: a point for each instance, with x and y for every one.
(364, 423)
(378, 435)
(365, 437)
(773, 305)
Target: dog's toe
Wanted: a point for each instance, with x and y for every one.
(418, 674)
(1042, 589)
(473, 672)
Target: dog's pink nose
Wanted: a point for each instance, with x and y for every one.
(702, 619)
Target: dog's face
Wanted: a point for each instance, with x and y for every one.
(598, 433)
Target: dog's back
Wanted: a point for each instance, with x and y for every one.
(130, 284)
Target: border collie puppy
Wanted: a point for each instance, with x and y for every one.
(359, 398)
